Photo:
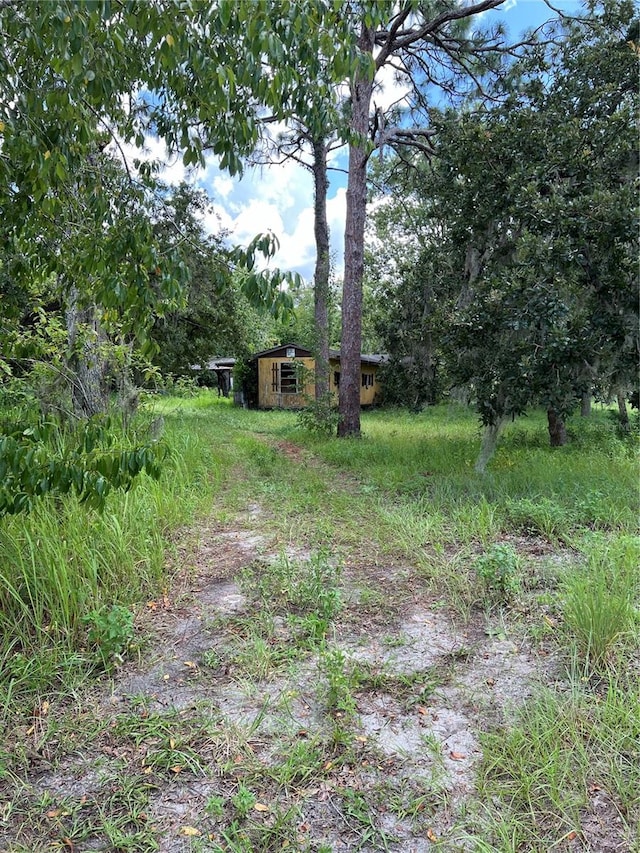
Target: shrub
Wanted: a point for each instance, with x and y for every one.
(110, 633)
(499, 570)
(319, 416)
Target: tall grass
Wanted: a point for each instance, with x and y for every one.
(406, 488)
(600, 601)
(63, 560)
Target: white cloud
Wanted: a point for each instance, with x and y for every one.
(223, 185)
(389, 89)
(277, 198)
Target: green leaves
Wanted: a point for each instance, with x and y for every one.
(43, 460)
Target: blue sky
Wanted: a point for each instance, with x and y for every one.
(280, 198)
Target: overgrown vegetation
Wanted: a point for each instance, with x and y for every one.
(542, 549)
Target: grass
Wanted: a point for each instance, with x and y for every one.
(561, 752)
(53, 575)
(543, 547)
(600, 603)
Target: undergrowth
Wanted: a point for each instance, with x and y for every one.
(545, 541)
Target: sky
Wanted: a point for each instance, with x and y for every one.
(280, 197)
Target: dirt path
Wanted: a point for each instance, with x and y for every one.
(247, 724)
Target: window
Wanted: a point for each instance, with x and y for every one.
(284, 378)
(367, 380)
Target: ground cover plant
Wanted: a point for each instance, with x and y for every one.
(295, 642)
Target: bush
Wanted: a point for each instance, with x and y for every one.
(499, 570)
(320, 416)
(110, 633)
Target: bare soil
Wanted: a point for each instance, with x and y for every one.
(414, 735)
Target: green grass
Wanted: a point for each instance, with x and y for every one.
(545, 531)
(600, 603)
(562, 750)
(63, 561)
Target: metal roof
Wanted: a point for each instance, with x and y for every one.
(375, 358)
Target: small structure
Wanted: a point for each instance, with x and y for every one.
(223, 370)
(283, 377)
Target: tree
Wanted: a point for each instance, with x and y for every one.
(215, 317)
(408, 270)
(555, 293)
(538, 197)
(80, 74)
(422, 42)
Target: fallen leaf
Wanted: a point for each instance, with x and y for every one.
(422, 711)
(431, 835)
(361, 739)
(260, 807)
(457, 756)
(571, 835)
(190, 664)
(190, 831)
(172, 743)
(491, 681)
(176, 768)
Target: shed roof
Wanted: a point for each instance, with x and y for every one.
(305, 353)
(216, 364)
(376, 358)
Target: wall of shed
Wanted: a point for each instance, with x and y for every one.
(368, 394)
(268, 398)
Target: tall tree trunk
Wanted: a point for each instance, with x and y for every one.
(557, 429)
(585, 405)
(322, 270)
(86, 362)
(361, 92)
(622, 410)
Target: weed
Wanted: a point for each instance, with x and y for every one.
(302, 763)
(539, 515)
(215, 806)
(213, 659)
(538, 772)
(356, 807)
(339, 696)
(499, 570)
(167, 743)
(319, 416)
(305, 586)
(599, 607)
(413, 688)
(110, 633)
(243, 801)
